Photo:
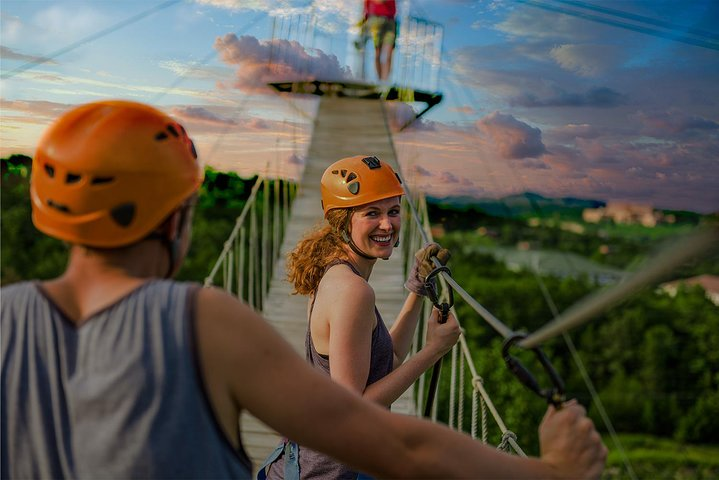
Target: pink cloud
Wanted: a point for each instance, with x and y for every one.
(512, 138)
(201, 115)
(261, 62)
(673, 122)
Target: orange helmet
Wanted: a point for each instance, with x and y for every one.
(359, 180)
(108, 173)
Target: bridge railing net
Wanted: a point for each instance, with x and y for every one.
(417, 58)
(245, 265)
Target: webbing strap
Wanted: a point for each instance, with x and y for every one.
(292, 461)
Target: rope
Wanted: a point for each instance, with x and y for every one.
(507, 438)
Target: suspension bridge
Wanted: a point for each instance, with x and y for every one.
(352, 119)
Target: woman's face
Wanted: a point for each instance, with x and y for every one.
(375, 227)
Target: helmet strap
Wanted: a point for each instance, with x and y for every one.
(354, 247)
(172, 243)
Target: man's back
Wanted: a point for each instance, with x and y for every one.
(120, 396)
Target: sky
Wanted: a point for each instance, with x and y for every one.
(611, 100)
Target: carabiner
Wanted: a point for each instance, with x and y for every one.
(554, 395)
(431, 288)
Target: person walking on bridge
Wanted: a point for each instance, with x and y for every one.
(379, 22)
(113, 370)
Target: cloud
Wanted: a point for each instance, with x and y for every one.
(328, 15)
(448, 177)
(261, 62)
(600, 97)
(38, 112)
(463, 109)
(295, 159)
(573, 131)
(539, 25)
(512, 138)
(586, 60)
(420, 171)
(10, 54)
(674, 122)
(202, 115)
(402, 115)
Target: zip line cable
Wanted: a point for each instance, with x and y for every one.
(641, 18)
(687, 248)
(129, 21)
(705, 43)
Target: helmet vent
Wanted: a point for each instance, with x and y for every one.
(102, 180)
(50, 170)
(343, 173)
(372, 162)
(353, 188)
(161, 136)
(72, 178)
(335, 172)
(58, 206)
(351, 176)
(123, 214)
(173, 131)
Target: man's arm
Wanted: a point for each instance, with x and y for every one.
(248, 364)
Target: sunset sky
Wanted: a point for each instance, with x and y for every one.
(602, 100)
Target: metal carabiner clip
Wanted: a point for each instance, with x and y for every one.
(554, 395)
(433, 295)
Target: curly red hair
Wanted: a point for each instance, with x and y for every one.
(307, 262)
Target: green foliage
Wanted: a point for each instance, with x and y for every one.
(29, 254)
(654, 359)
(652, 457)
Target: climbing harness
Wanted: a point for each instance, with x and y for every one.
(444, 308)
(555, 393)
(292, 461)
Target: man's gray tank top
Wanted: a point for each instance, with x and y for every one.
(316, 465)
(121, 396)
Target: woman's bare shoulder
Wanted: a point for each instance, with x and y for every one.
(341, 281)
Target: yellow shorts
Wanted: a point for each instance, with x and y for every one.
(382, 30)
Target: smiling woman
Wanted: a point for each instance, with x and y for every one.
(346, 336)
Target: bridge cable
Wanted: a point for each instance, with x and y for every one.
(113, 28)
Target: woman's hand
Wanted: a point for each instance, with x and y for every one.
(423, 265)
(441, 337)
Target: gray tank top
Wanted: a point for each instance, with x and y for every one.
(119, 397)
(315, 465)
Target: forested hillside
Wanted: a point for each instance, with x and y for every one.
(653, 359)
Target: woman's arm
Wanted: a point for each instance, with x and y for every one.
(246, 364)
(404, 326)
(346, 302)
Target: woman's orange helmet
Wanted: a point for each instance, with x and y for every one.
(358, 180)
(106, 174)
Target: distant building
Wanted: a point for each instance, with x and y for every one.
(623, 213)
(710, 284)
(437, 230)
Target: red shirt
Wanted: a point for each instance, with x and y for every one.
(380, 8)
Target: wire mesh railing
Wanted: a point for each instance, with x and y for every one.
(302, 48)
(244, 267)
